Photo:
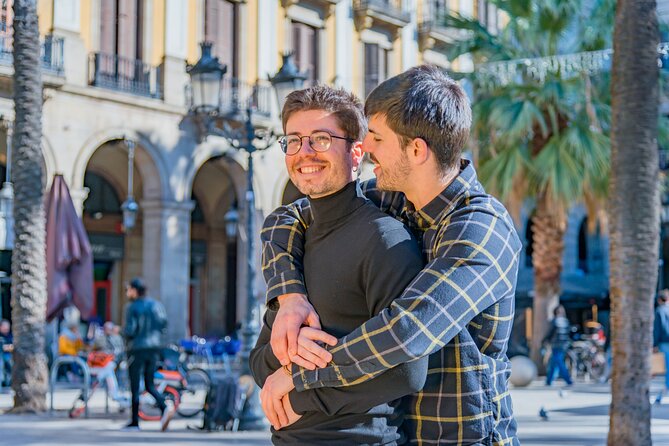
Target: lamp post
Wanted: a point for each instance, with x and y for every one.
(130, 206)
(206, 79)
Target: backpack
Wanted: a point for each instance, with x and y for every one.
(223, 404)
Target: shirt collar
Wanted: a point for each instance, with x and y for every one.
(447, 199)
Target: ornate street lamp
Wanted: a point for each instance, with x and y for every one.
(206, 82)
(287, 79)
(239, 131)
(231, 220)
(130, 206)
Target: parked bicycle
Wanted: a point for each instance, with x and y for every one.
(186, 388)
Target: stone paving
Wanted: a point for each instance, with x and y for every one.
(578, 416)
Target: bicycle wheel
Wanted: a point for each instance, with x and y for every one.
(194, 394)
(149, 410)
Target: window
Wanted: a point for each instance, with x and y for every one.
(440, 11)
(121, 28)
(220, 28)
(487, 15)
(376, 66)
(305, 46)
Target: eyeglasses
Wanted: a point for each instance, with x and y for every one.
(318, 141)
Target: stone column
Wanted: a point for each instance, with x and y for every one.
(167, 259)
(174, 73)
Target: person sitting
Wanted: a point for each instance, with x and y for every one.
(70, 343)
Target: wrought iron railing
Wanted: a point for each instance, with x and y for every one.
(237, 96)
(51, 51)
(397, 9)
(51, 54)
(127, 75)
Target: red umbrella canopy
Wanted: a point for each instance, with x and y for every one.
(69, 259)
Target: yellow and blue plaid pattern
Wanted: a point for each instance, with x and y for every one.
(459, 310)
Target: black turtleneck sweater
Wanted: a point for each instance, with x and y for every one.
(352, 250)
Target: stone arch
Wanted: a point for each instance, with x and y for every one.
(49, 160)
(148, 160)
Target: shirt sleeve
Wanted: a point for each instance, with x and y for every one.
(474, 264)
(282, 240)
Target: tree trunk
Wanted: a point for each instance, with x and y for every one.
(548, 228)
(634, 217)
(29, 376)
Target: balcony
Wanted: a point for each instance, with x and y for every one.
(392, 15)
(432, 30)
(51, 53)
(237, 96)
(132, 76)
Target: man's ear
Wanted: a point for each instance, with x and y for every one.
(356, 153)
(418, 151)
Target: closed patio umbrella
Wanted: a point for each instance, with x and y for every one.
(69, 259)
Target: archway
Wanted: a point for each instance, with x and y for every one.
(215, 256)
(117, 255)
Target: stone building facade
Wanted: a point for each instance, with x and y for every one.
(115, 70)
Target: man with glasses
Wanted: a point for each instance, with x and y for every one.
(458, 310)
(356, 261)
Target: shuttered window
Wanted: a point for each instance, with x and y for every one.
(376, 66)
(220, 28)
(121, 28)
(305, 47)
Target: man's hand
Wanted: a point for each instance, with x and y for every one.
(292, 416)
(294, 311)
(277, 385)
(309, 353)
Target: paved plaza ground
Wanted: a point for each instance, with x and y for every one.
(576, 417)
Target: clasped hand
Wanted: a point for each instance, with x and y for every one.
(293, 342)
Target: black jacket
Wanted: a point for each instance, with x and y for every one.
(145, 322)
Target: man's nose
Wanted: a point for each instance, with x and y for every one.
(306, 146)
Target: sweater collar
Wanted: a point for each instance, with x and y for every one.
(337, 205)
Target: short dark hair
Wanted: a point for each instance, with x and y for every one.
(138, 284)
(344, 105)
(423, 102)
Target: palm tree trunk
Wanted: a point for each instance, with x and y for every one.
(29, 379)
(548, 228)
(634, 217)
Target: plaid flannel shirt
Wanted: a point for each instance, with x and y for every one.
(459, 310)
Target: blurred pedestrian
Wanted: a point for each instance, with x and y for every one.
(559, 338)
(70, 343)
(661, 337)
(7, 347)
(145, 322)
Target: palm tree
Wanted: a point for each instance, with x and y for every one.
(634, 216)
(29, 378)
(542, 136)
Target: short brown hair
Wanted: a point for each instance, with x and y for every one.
(345, 106)
(423, 102)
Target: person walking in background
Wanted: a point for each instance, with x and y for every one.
(558, 337)
(661, 337)
(145, 322)
(7, 346)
